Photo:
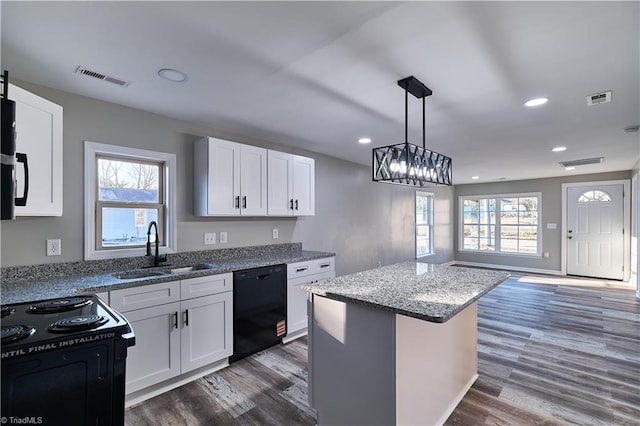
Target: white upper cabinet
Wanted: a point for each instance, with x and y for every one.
(230, 179)
(304, 186)
(253, 180)
(39, 136)
(291, 185)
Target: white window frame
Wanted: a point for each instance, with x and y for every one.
(93, 149)
(497, 251)
(431, 195)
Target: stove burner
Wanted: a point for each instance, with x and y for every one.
(79, 323)
(6, 311)
(59, 305)
(14, 333)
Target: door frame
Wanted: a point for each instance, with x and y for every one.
(626, 219)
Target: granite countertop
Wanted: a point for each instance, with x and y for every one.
(40, 288)
(425, 291)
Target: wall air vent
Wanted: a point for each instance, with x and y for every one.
(100, 76)
(582, 162)
(599, 98)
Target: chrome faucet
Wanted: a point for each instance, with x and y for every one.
(157, 258)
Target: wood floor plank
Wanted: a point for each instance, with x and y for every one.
(548, 354)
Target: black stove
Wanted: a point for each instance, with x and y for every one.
(63, 361)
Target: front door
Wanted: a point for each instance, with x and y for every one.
(595, 239)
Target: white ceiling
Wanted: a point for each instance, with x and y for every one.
(319, 75)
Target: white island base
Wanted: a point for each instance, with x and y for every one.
(369, 366)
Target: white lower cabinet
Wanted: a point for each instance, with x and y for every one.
(208, 316)
(156, 354)
(176, 335)
(299, 274)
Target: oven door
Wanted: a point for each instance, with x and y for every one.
(72, 386)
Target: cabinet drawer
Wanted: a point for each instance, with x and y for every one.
(205, 286)
(301, 269)
(327, 275)
(323, 265)
(145, 296)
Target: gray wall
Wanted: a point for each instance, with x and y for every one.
(363, 222)
(551, 190)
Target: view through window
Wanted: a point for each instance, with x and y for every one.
(503, 224)
(424, 224)
(129, 196)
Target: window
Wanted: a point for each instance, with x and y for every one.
(126, 189)
(506, 224)
(424, 224)
(594, 197)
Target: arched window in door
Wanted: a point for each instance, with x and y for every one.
(594, 196)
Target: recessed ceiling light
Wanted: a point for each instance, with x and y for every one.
(559, 149)
(475, 177)
(364, 140)
(173, 75)
(569, 168)
(536, 102)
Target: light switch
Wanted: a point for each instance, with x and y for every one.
(552, 226)
(275, 233)
(223, 238)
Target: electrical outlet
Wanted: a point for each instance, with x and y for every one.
(275, 233)
(223, 238)
(54, 247)
(209, 238)
(545, 255)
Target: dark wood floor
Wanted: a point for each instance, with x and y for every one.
(548, 355)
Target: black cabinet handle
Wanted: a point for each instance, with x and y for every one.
(301, 269)
(244, 202)
(325, 265)
(186, 317)
(291, 204)
(175, 320)
(237, 201)
(22, 158)
(296, 204)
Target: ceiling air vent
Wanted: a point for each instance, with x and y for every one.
(599, 98)
(100, 76)
(583, 162)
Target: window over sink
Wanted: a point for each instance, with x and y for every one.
(126, 189)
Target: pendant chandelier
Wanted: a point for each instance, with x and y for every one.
(406, 163)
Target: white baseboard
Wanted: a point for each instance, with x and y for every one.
(457, 400)
(155, 390)
(509, 268)
(293, 336)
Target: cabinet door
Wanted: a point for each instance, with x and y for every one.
(304, 192)
(253, 180)
(156, 355)
(296, 305)
(280, 182)
(223, 181)
(297, 300)
(206, 330)
(39, 135)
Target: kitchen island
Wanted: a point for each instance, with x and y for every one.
(394, 345)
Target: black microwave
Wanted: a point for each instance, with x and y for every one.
(9, 157)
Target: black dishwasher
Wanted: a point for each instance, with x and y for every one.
(259, 309)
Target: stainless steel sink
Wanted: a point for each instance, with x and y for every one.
(148, 273)
(130, 275)
(191, 268)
